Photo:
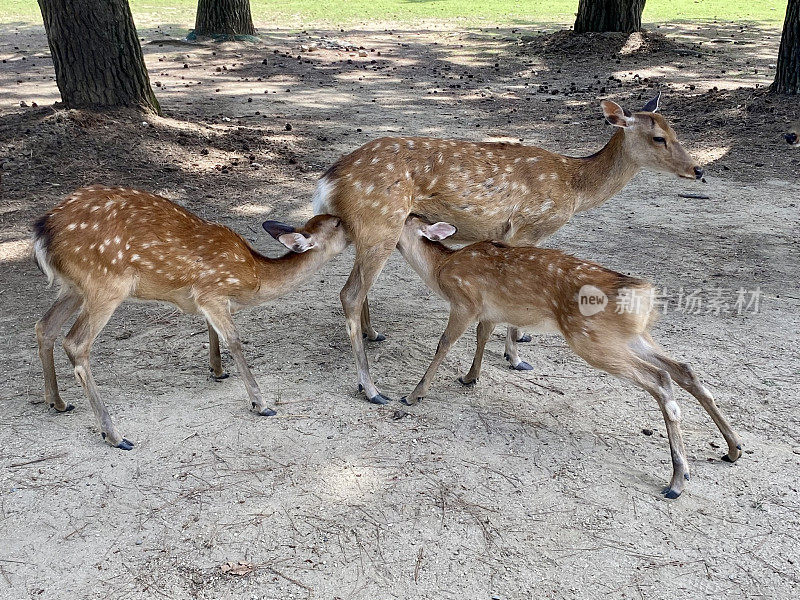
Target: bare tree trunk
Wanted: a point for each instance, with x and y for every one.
(787, 75)
(228, 17)
(96, 54)
(609, 15)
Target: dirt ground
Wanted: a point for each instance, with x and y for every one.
(542, 484)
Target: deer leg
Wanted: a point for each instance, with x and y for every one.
(78, 345)
(366, 326)
(485, 329)
(511, 354)
(627, 365)
(684, 376)
(221, 321)
(47, 330)
(368, 264)
(659, 384)
(214, 356)
(456, 326)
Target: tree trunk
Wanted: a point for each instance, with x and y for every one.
(787, 75)
(609, 15)
(96, 54)
(224, 17)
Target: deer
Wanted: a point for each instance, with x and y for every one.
(489, 190)
(604, 316)
(792, 136)
(104, 245)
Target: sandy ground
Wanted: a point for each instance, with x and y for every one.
(540, 484)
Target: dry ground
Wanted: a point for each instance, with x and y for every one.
(537, 484)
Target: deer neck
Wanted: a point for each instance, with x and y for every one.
(278, 276)
(599, 176)
(425, 257)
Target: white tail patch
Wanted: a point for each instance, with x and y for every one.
(41, 258)
(321, 198)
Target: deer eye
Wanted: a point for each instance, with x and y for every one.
(660, 140)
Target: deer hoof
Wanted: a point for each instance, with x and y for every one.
(265, 411)
(408, 402)
(220, 377)
(379, 337)
(379, 399)
(670, 493)
(732, 457)
(125, 444)
(466, 383)
(526, 337)
(522, 366)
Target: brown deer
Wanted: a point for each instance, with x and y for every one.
(104, 245)
(792, 136)
(509, 192)
(604, 316)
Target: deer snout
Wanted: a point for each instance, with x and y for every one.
(698, 172)
(791, 138)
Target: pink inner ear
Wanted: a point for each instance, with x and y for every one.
(440, 231)
(295, 242)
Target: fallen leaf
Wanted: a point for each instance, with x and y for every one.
(239, 568)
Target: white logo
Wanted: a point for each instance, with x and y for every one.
(591, 300)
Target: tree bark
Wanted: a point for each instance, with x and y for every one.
(609, 15)
(224, 17)
(96, 54)
(787, 74)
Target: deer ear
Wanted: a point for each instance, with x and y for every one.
(296, 242)
(616, 115)
(276, 228)
(652, 105)
(438, 231)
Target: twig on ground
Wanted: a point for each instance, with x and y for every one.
(34, 461)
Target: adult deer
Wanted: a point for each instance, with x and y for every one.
(604, 316)
(509, 192)
(104, 245)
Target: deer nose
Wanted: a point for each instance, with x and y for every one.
(791, 138)
(698, 172)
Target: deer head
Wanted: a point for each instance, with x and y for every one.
(319, 229)
(650, 141)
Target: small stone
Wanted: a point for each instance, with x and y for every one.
(288, 127)
(647, 431)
